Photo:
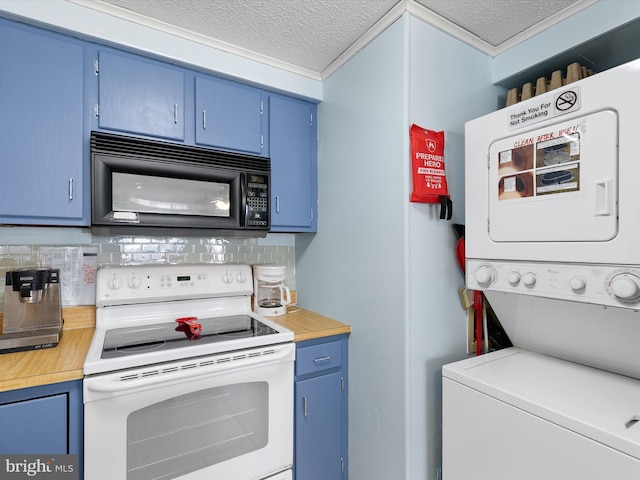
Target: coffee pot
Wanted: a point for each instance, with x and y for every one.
(32, 316)
(271, 295)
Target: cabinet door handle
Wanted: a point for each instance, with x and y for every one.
(322, 359)
(277, 204)
(70, 189)
(175, 113)
(204, 119)
(304, 406)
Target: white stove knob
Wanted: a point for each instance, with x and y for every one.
(484, 275)
(134, 282)
(625, 286)
(114, 283)
(529, 279)
(577, 284)
(513, 278)
(241, 277)
(227, 278)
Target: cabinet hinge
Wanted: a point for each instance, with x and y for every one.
(96, 110)
(488, 225)
(488, 162)
(96, 67)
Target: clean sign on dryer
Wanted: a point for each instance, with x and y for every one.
(556, 183)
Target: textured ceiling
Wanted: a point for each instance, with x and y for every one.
(310, 35)
(496, 21)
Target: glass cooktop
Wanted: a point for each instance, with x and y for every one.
(121, 342)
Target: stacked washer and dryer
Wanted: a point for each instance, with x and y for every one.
(553, 240)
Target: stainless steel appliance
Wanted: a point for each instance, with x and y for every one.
(271, 295)
(157, 188)
(32, 310)
(183, 380)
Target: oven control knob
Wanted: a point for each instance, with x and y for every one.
(241, 277)
(578, 284)
(625, 286)
(227, 277)
(485, 275)
(134, 282)
(513, 278)
(529, 279)
(114, 283)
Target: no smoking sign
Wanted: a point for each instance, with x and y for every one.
(567, 101)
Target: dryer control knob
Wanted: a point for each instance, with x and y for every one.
(529, 279)
(513, 278)
(484, 275)
(577, 284)
(625, 286)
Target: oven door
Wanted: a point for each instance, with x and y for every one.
(227, 416)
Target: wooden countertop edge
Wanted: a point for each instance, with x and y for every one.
(301, 337)
(307, 325)
(40, 380)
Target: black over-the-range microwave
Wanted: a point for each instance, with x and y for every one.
(149, 187)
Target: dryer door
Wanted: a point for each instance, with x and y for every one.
(556, 184)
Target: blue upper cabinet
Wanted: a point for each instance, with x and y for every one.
(230, 116)
(41, 145)
(140, 96)
(293, 152)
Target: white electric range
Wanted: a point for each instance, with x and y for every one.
(183, 380)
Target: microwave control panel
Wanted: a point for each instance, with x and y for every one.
(257, 208)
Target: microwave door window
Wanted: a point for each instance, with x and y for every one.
(162, 195)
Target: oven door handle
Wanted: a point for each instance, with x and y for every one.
(165, 374)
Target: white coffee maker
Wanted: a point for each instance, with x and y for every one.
(270, 295)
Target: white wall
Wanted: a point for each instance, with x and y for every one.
(393, 275)
(449, 84)
(353, 269)
(595, 20)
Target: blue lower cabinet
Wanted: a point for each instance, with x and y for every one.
(46, 420)
(321, 409)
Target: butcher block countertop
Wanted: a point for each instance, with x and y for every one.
(52, 365)
(64, 362)
(307, 325)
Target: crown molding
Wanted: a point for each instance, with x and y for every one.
(138, 19)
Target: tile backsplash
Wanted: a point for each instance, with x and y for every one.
(19, 248)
